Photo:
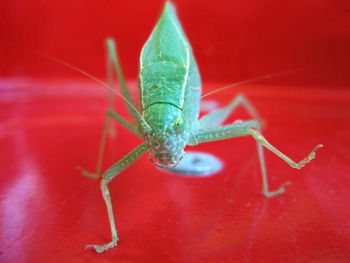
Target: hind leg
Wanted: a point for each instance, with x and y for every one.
(113, 60)
(217, 117)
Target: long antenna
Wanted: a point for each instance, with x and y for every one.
(243, 82)
(85, 74)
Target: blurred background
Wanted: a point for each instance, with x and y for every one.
(232, 40)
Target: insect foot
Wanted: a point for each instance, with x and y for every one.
(308, 158)
(101, 248)
(279, 191)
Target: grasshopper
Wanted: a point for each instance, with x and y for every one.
(169, 88)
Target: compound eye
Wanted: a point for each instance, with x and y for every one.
(179, 125)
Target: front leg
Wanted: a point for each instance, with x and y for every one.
(117, 117)
(249, 128)
(106, 178)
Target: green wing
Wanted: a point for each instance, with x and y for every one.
(167, 41)
(165, 62)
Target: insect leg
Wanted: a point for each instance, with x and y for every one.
(217, 117)
(249, 128)
(116, 116)
(110, 78)
(113, 171)
(112, 58)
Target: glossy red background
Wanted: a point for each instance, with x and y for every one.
(51, 121)
(232, 40)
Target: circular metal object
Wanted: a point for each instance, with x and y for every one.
(196, 164)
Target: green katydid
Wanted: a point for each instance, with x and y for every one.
(167, 120)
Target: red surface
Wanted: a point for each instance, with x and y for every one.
(232, 40)
(50, 124)
(49, 211)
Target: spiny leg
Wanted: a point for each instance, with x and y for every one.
(265, 185)
(245, 129)
(113, 171)
(112, 58)
(213, 119)
(107, 198)
(260, 140)
(110, 78)
(116, 116)
(217, 117)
